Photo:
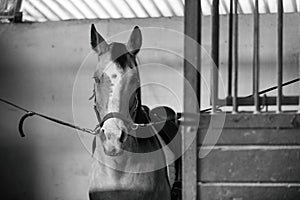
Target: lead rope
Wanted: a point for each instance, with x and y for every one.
(30, 113)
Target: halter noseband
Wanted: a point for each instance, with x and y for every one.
(130, 123)
(115, 115)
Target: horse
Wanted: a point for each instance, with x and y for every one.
(128, 160)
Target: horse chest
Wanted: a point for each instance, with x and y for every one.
(107, 184)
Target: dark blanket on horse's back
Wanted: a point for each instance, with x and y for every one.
(168, 130)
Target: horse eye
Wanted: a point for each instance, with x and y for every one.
(97, 80)
(123, 137)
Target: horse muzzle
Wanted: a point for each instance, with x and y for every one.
(113, 151)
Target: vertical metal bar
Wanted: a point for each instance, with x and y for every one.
(215, 53)
(230, 36)
(192, 55)
(256, 59)
(18, 15)
(279, 53)
(235, 66)
(299, 82)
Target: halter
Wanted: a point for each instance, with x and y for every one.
(116, 115)
(130, 124)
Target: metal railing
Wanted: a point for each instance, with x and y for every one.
(255, 99)
(10, 10)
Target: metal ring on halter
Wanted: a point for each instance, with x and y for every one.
(134, 126)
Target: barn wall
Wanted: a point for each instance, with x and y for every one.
(38, 67)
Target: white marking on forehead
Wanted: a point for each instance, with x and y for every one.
(113, 72)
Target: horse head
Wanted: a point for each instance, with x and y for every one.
(116, 89)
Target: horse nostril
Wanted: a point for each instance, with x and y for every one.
(113, 150)
(123, 136)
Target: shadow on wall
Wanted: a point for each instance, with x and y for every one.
(50, 159)
(17, 155)
(17, 172)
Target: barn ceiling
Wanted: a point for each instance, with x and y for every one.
(55, 10)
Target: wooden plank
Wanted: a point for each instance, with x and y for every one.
(246, 101)
(252, 136)
(251, 164)
(248, 192)
(192, 55)
(270, 100)
(248, 120)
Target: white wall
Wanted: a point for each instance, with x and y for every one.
(38, 67)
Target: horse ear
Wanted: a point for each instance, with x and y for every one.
(135, 41)
(97, 41)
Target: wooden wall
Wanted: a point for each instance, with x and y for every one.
(257, 157)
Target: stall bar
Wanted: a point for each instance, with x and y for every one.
(280, 54)
(214, 53)
(235, 66)
(256, 59)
